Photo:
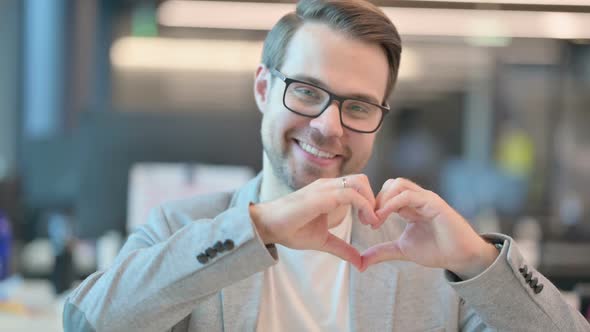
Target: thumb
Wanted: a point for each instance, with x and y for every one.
(382, 252)
(338, 247)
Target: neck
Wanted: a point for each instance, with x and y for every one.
(272, 187)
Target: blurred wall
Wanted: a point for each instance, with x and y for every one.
(9, 66)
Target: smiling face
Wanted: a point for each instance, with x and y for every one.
(300, 149)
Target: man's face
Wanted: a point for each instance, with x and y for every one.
(344, 66)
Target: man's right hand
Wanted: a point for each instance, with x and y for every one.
(300, 220)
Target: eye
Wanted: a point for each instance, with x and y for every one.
(357, 108)
(305, 91)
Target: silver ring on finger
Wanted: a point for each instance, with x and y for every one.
(343, 183)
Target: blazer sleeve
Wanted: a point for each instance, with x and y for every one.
(512, 296)
(158, 279)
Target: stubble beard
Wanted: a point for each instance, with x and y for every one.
(293, 176)
(281, 168)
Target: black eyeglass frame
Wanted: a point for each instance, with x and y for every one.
(384, 108)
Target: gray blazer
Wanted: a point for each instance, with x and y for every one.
(157, 282)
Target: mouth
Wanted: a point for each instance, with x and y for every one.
(316, 155)
(315, 151)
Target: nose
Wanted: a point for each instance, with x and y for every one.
(328, 123)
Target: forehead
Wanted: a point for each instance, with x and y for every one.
(345, 65)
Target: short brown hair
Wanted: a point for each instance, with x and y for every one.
(356, 18)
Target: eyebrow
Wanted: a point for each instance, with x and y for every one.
(315, 81)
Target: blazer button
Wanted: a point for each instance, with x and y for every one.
(538, 289)
(228, 244)
(211, 253)
(528, 277)
(534, 282)
(203, 259)
(524, 270)
(219, 246)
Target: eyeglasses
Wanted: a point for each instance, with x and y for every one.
(311, 101)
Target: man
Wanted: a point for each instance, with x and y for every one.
(276, 255)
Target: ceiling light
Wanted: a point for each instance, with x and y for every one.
(410, 21)
(520, 2)
(185, 54)
(168, 54)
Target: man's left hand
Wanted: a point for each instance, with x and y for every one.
(435, 234)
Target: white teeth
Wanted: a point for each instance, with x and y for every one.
(316, 152)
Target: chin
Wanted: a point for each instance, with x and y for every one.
(306, 175)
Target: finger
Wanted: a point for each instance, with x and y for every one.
(340, 248)
(379, 223)
(392, 188)
(366, 210)
(407, 198)
(408, 184)
(360, 183)
(325, 197)
(409, 214)
(387, 251)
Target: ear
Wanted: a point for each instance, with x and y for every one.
(262, 87)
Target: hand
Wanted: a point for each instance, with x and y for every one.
(435, 235)
(300, 220)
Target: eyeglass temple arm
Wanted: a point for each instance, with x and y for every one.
(278, 74)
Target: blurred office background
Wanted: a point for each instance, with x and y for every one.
(97, 97)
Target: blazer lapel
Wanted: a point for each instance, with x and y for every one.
(241, 300)
(371, 301)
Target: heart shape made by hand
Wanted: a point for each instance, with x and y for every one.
(435, 235)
